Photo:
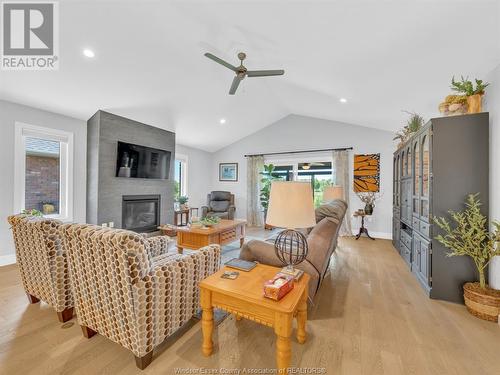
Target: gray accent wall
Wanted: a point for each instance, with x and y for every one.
(104, 190)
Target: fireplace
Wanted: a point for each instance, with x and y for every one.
(141, 213)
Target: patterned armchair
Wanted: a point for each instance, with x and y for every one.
(42, 261)
(131, 289)
(219, 203)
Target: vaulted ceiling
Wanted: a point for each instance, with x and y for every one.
(382, 56)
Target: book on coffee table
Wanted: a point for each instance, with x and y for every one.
(240, 264)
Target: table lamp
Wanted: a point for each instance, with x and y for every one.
(333, 192)
(291, 207)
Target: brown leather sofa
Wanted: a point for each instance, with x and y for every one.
(321, 240)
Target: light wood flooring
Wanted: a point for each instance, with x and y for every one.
(370, 317)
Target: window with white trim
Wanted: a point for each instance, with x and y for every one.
(43, 177)
(180, 178)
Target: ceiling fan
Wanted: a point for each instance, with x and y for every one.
(242, 72)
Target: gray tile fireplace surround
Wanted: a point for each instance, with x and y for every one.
(105, 191)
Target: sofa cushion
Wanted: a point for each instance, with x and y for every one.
(220, 196)
(219, 206)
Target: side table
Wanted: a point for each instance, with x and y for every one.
(362, 229)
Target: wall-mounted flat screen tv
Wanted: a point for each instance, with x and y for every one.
(134, 161)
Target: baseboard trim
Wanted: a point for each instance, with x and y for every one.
(5, 260)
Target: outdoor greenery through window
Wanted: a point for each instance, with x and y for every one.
(180, 178)
(319, 174)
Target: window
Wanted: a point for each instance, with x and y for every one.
(314, 170)
(180, 178)
(43, 171)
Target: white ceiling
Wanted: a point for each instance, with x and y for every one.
(383, 56)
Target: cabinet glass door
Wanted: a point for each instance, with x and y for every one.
(416, 176)
(426, 172)
(408, 161)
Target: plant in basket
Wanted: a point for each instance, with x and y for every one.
(469, 235)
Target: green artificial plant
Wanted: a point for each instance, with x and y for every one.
(470, 235)
(413, 124)
(466, 87)
(268, 176)
(183, 199)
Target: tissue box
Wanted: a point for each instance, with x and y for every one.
(278, 286)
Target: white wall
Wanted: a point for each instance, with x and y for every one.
(305, 133)
(199, 179)
(492, 104)
(9, 114)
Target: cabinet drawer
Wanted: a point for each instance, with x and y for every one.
(406, 239)
(425, 229)
(405, 253)
(415, 223)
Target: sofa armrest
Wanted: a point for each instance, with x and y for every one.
(159, 245)
(260, 251)
(263, 252)
(230, 212)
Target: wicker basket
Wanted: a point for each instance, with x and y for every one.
(485, 304)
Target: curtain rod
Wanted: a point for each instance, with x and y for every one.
(300, 152)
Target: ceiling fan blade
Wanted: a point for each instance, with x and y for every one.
(234, 85)
(265, 73)
(220, 61)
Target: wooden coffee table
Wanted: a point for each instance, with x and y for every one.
(244, 298)
(225, 232)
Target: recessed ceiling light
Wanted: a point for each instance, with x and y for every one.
(222, 120)
(88, 53)
(343, 100)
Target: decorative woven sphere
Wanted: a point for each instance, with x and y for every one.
(291, 247)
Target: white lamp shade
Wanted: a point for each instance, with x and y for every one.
(333, 192)
(291, 205)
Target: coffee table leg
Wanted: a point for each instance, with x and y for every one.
(207, 322)
(302, 319)
(242, 241)
(283, 330)
(179, 249)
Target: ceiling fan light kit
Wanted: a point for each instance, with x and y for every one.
(242, 72)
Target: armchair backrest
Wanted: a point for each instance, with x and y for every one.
(42, 259)
(322, 239)
(105, 263)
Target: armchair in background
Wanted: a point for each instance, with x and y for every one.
(220, 204)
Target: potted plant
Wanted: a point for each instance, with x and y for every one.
(268, 176)
(368, 198)
(470, 236)
(183, 202)
(413, 124)
(474, 94)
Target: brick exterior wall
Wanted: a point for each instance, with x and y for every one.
(42, 182)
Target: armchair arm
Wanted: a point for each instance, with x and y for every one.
(230, 212)
(204, 211)
(159, 245)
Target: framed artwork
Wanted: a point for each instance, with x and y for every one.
(228, 172)
(367, 173)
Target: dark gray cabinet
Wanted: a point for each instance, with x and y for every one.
(434, 171)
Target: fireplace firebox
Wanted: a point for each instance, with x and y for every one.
(141, 213)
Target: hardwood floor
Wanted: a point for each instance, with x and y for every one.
(370, 317)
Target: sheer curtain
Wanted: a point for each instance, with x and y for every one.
(255, 165)
(341, 177)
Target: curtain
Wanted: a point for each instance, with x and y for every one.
(255, 165)
(341, 177)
